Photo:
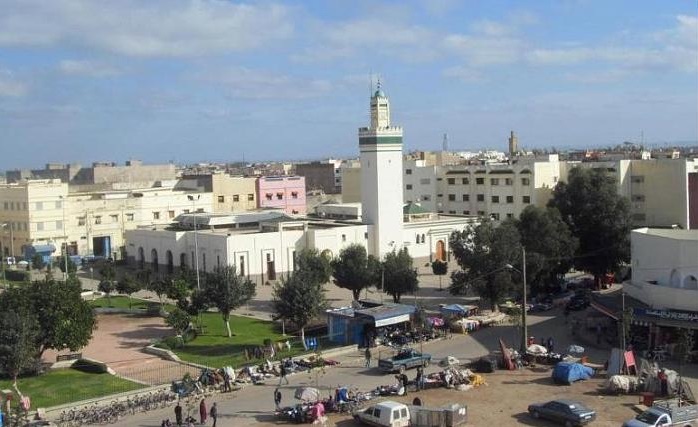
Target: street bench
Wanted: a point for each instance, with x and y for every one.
(69, 356)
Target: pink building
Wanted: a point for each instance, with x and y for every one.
(286, 192)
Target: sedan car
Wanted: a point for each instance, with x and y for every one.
(566, 412)
(541, 306)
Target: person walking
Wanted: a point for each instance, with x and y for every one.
(283, 372)
(405, 381)
(203, 413)
(419, 380)
(214, 413)
(226, 382)
(277, 398)
(178, 414)
(367, 355)
(551, 347)
(663, 382)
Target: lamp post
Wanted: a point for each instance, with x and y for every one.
(196, 240)
(12, 238)
(524, 327)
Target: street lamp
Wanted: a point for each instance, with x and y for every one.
(196, 239)
(12, 237)
(524, 327)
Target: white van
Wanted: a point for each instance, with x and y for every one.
(385, 414)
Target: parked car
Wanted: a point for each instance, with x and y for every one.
(404, 359)
(566, 412)
(541, 306)
(578, 302)
(395, 414)
(659, 415)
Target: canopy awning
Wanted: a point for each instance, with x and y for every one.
(388, 314)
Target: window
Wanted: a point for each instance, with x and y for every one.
(425, 181)
(638, 198)
(480, 197)
(221, 199)
(200, 210)
(156, 215)
(466, 197)
(408, 171)
(637, 179)
(423, 238)
(508, 181)
(417, 238)
(250, 197)
(396, 414)
(509, 215)
(59, 225)
(439, 211)
(525, 181)
(376, 412)
(236, 197)
(39, 206)
(451, 181)
(6, 205)
(171, 214)
(59, 205)
(466, 212)
(494, 181)
(452, 212)
(480, 181)
(480, 213)
(129, 217)
(242, 265)
(495, 216)
(98, 220)
(495, 199)
(186, 211)
(279, 196)
(527, 199)
(426, 198)
(39, 226)
(408, 186)
(294, 194)
(510, 199)
(403, 412)
(115, 217)
(465, 181)
(344, 237)
(269, 196)
(81, 220)
(366, 236)
(452, 197)
(439, 195)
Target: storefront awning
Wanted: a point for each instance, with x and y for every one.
(388, 314)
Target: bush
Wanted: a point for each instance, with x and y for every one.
(171, 343)
(16, 275)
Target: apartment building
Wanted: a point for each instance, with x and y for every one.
(282, 192)
(48, 212)
(100, 173)
(323, 176)
(230, 193)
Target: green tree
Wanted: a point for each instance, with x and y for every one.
(227, 290)
(400, 277)
(128, 286)
(18, 335)
(160, 287)
(107, 286)
(38, 262)
(550, 246)
(596, 215)
(439, 268)
(299, 299)
(482, 254)
(314, 264)
(108, 275)
(178, 320)
(72, 268)
(353, 270)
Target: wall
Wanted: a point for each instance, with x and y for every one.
(693, 200)
(661, 198)
(287, 193)
(234, 193)
(319, 176)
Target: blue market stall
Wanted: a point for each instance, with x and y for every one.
(359, 325)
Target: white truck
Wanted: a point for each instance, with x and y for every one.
(395, 414)
(660, 415)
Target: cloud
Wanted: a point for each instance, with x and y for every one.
(88, 68)
(464, 74)
(156, 28)
(241, 82)
(482, 50)
(10, 86)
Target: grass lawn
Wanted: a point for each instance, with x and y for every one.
(121, 301)
(68, 385)
(215, 349)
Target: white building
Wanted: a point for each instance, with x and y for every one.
(262, 245)
(664, 268)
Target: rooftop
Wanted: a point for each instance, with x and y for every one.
(669, 233)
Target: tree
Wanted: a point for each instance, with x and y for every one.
(550, 246)
(107, 286)
(314, 264)
(439, 268)
(18, 334)
(128, 286)
(226, 290)
(400, 277)
(299, 299)
(160, 287)
(596, 215)
(482, 253)
(38, 262)
(353, 270)
(72, 268)
(108, 275)
(178, 320)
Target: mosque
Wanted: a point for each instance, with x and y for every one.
(262, 244)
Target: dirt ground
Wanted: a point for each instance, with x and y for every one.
(505, 398)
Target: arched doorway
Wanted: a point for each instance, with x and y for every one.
(690, 282)
(182, 260)
(141, 258)
(441, 250)
(170, 262)
(154, 259)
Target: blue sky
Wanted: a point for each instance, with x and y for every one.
(196, 80)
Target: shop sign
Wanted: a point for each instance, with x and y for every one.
(685, 316)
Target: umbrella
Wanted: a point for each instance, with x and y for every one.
(310, 394)
(575, 349)
(536, 349)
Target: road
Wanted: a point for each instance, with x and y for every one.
(254, 404)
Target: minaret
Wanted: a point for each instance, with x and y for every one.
(381, 178)
(513, 145)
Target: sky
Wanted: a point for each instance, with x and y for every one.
(217, 80)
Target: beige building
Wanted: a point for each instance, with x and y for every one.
(42, 212)
(134, 172)
(230, 193)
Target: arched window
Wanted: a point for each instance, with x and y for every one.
(154, 259)
(170, 262)
(441, 250)
(141, 257)
(182, 260)
(423, 239)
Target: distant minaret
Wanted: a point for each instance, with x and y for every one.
(444, 145)
(380, 146)
(513, 144)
